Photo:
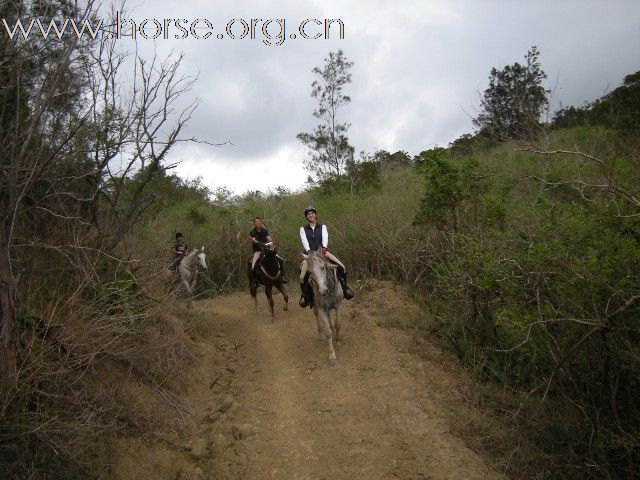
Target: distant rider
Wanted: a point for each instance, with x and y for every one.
(315, 236)
(179, 251)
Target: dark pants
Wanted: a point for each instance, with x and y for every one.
(174, 263)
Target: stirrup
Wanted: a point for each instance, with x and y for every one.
(303, 302)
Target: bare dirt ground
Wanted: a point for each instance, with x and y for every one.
(265, 404)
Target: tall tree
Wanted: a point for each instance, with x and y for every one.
(512, 104)
(329, 148)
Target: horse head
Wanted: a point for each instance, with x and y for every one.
(270, 248)
(317, 267)
(202, 261)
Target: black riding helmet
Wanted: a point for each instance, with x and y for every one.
(310, 208)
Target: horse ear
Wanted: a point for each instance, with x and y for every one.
(202, 249)
(304, 257)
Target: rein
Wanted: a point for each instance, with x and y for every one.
(267, 274)
(278, 273)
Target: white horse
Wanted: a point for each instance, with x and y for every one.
(327, 295)
(188, 271)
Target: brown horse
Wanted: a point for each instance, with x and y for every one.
(270, 276)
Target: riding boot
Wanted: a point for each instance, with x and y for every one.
(306, 298)
(303, 302)
(346, 291)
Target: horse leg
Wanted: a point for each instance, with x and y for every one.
(334, 332)
(283, 290)
(328, 334)
(337, 323)
(268, 291)
(319, 322)
(254, 296)
(193, 284)
(189, 292)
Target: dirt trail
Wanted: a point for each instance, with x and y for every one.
(279, 411)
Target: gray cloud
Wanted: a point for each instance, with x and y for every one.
(419, 69)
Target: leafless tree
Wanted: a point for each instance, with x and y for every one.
(85, 127)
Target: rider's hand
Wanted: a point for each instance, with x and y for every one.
(324, 250)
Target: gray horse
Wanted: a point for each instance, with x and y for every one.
(327, 295)
(188, 271)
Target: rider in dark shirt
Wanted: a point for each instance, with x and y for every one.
(179, 251)
(259, 236)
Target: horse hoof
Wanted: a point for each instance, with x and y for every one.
(286, 308)
(333, 361)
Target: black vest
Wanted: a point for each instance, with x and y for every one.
(314, 237)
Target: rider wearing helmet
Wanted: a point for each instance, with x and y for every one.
(315, 236)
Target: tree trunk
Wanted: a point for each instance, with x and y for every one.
(8, 326)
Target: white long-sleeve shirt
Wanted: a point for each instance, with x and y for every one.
(305, 242)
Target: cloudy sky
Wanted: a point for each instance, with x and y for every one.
(419, 69)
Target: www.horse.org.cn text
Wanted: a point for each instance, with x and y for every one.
(269, 31)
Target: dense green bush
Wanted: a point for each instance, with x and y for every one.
(538, 291)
